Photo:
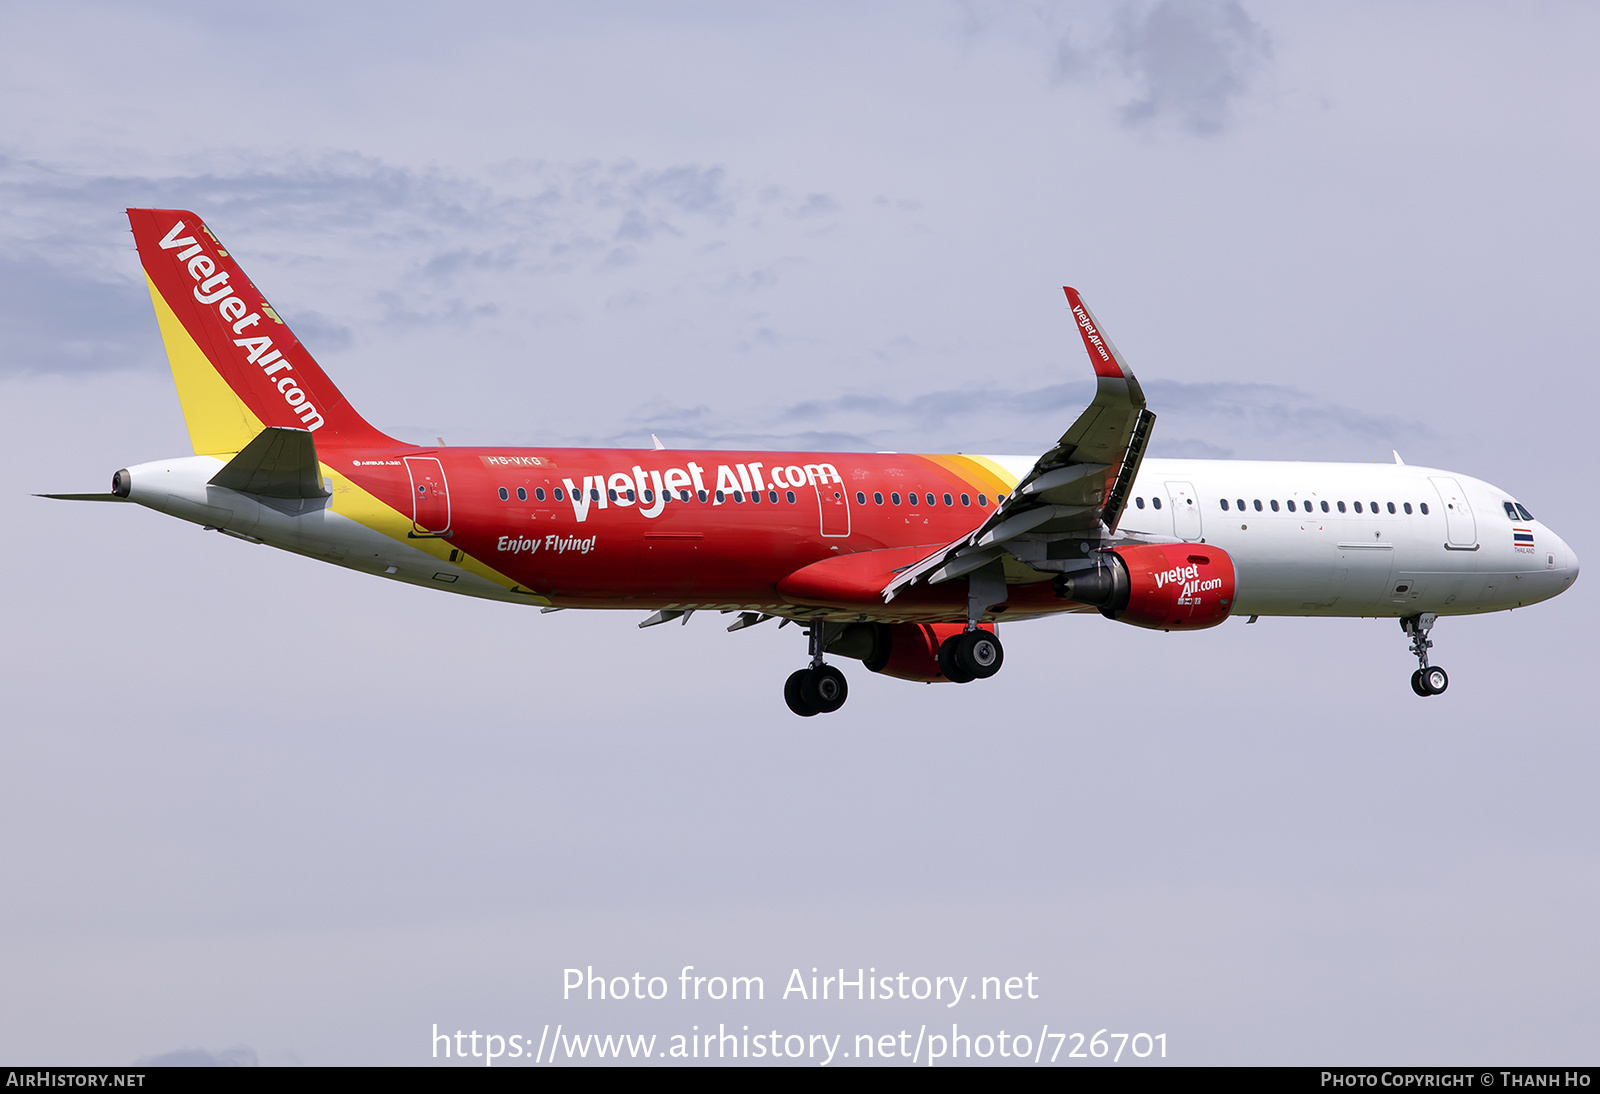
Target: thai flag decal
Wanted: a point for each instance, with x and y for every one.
(1522, 537)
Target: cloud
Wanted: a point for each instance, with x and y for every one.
(1194, 420)
(1194, 59)
(441, 250)
(238, 1056)
(54, 318)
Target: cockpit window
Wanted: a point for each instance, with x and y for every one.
(1524, 511)
(1511, 510)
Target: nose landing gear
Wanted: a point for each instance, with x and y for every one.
(1428, 679)
(820, 688)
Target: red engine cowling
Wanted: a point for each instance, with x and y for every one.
(1164, 586)
(909, 651)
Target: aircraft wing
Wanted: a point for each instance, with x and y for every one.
(1074, 493)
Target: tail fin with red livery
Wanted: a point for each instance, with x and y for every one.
(237, 366)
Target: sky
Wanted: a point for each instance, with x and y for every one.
(260, 809)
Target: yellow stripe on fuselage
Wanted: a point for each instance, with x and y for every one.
(982, 472)
(354, 503)
(219, 422)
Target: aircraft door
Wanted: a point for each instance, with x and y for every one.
(834, 502)
(1460, 526)
(430, 497)
(1185, 511)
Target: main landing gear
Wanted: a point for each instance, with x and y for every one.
(973, 655)
(820, 688)
(1428, 679)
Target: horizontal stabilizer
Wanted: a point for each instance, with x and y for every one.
(280, 463)
(82, 497)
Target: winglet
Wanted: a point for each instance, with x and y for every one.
(1108, 363)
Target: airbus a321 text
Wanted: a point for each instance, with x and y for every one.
(906, 563)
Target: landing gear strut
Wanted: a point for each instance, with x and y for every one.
(820, 688)
(1428, 679)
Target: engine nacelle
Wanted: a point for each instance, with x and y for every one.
(907, 651)
(1164, 586)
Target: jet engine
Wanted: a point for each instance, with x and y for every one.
(1163, 586)
(907, 651)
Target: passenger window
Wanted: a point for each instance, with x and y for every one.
(559, 495)
(503, 495)
(772, 496)
(1358, 506)
(1374, 506)
(522, 495)
(738, 496)
(790, 495)
(630, 496)
(755, 497)
(612, 494)
(1527, 516)
(948, 500)
(877, 497)
(1391, 507)
(894, 496)
(1325, 507)
(1407, 507)
(861, 499)
(1291, 505)
(538, 493)
(1258, 505)
(1224, 505)
(721, 497)
(1139, 502)
(983, 501)
(702, 495)
(594, 494)
(913, 499)
(966, 499)
(1341, 506)
(1240, 503)
(1156, 502)
(1423, 506)
(1274, 504)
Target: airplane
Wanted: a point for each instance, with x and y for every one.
(904, 562)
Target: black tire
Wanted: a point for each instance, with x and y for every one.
(1435, 679)
(1417, 684)
(824, 689)
(794, 693)
(980, 654)
(950, 662)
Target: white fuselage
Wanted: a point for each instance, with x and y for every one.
(1353, 539)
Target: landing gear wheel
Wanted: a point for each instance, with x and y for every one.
(1435, 680)
(952, 664)
(824, 689)
(794, 693)
(1417, 685)
(980, 654)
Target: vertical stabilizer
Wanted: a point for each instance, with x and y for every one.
(237, 366)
